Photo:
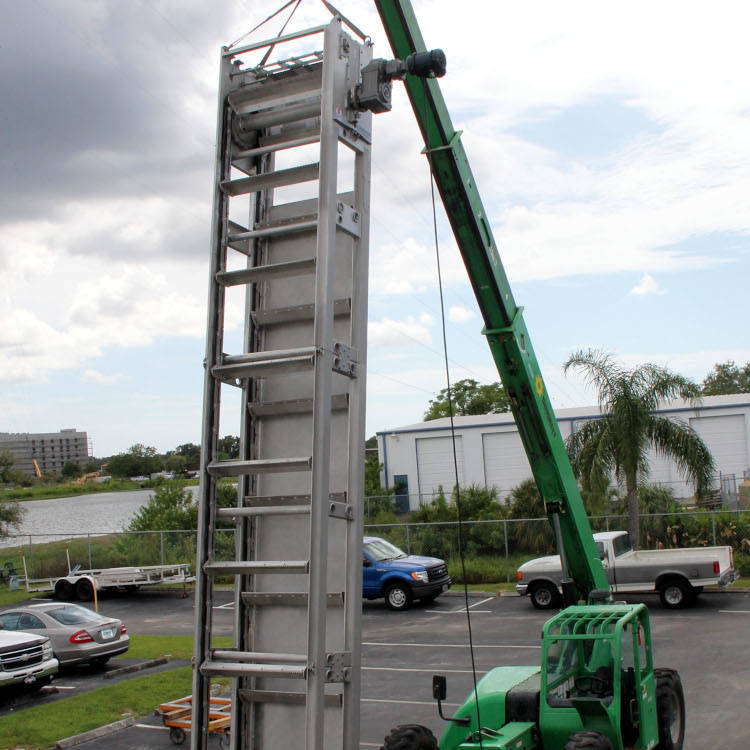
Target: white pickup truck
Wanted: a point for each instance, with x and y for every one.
(679, 575)
(26, 658)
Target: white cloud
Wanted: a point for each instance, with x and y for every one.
(94, 376)
(648, 285)
(459, 314)
(387, 333)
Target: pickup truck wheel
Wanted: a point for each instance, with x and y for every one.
(63, 590)
(587, 740)
(410, 737)
(544, 595)
(670, 710)
(398, 596)
(675, 593)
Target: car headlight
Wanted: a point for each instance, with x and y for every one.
(420, 575)
(47, 650)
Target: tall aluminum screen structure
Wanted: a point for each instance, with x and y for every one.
(290, 229)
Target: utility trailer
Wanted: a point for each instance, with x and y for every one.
(79, 584)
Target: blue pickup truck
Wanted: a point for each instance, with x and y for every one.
(400, 578)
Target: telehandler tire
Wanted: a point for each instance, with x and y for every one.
(410, 737)
(670, 709)
(588, 741)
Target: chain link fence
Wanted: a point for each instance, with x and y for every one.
(493, 549)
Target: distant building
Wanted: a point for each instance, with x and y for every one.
(418, 459)
(50, 449)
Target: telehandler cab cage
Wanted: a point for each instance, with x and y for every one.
(598, 675)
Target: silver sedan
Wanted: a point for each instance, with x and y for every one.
(77, 634)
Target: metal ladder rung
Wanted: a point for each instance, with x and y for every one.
(339, 402)
(334, 700)
(279, 145)
(274, 230)
(273, 500)
(287, 599)
(239, 468)
(256, 657)
(272, 270)
(271, 510)
(267, 180)
(255, 567)
(211, 668)
(238, 367)
(297, 313)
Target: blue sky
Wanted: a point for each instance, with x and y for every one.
(611, 154)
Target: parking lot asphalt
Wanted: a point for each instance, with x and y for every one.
(706, 644)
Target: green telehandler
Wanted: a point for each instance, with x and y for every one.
(596, 687)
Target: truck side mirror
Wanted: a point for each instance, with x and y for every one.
(366, 563)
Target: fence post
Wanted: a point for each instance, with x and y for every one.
(90, 563)
(713, 526)
(607, 522)
(507, 561)
(408, 541)
(161, 544)
(31, 555)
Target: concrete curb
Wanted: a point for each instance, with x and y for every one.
(95, 734)
(135, 667)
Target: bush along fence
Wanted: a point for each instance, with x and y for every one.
(493, 549)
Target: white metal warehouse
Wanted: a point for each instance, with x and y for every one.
(418, 458)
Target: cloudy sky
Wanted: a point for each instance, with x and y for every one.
(610, 143)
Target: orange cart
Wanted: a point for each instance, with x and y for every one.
(178, 714)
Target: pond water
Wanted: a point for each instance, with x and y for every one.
(61, 517)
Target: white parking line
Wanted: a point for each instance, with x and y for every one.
(445, 645)
(735, 611)
(458, 611)
(228, 605)
(149, 726)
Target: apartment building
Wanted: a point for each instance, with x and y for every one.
(50, 449)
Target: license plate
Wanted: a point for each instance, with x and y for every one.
(108, 633)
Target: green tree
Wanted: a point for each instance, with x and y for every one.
(139, 460)
(71, 470)
(11, 514)
(727, 378)
(171, 507)
(6, 465)
(618, 442)
(191, 452)
(468, 397)
(229, 447)
(378, 499)
(176, 464)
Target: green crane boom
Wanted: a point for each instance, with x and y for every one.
(505, 329)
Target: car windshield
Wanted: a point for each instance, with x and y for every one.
(73, 615)
(380, 550)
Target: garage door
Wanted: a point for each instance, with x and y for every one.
(435, 466)
(505, 462)
(726, 438)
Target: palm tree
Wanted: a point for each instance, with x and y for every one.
(619, 442)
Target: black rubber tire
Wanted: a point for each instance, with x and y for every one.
(410, 737)
(675, 593)
(84, 590)
(588, 741)
(670, 709)
(63, 590)
(544, 595)
(398, 596)
(177, 735)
